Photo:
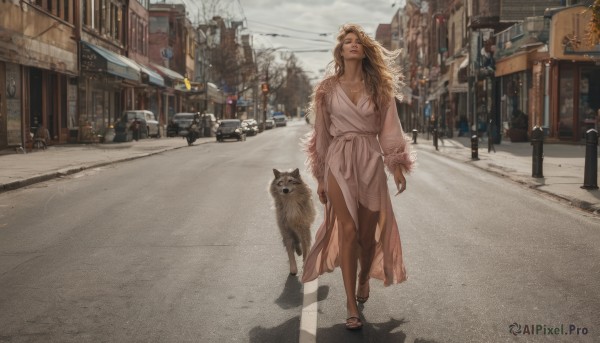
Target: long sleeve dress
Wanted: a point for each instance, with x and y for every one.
(353, 143)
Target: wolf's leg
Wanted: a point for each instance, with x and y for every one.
(297, 246)
(305, 241)
(289, 246)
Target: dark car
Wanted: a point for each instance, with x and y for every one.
(180, 121)
(230, 129)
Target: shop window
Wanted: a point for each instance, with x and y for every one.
(565, 102)
(589, 85)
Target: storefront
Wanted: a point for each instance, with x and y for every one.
(578, 100)
(106, 87)
(170, 100)
(456, 109)
(575, 77)
(38, 64)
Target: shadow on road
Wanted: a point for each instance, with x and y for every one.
(371, 332)
(291, 296)
(286, 332)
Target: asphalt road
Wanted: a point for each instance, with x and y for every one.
(183, 247)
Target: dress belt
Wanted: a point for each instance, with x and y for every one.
(348, 136)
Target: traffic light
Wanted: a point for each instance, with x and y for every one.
(265, 88)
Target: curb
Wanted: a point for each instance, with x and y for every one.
(65, 172)
(573, 202)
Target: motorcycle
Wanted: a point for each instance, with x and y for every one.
(192, 132)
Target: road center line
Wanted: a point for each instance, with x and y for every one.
(308, 318)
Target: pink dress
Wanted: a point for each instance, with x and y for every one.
(349, 142)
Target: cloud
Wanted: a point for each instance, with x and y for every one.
(286, 17)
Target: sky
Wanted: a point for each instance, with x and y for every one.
(298, 25)
(311, 25)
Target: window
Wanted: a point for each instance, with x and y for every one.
(589, 105)
(102, 16)
(565, 101)
(58, 8)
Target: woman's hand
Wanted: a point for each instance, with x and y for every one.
(321, 193)
(400, 180)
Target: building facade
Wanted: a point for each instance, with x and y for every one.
(74, 67)
(500, 67)
(38, 70)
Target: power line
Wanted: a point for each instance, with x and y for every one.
(292, 37)
(291, 29)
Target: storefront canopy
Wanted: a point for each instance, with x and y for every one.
(166, 72)
(153, 77)
(98, 59)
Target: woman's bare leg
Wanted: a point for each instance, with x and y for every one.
(348, 243)
(367, 223)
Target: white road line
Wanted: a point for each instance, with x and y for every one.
(308, 319)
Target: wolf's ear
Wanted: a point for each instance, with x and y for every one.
(296, 173)
(276, 172)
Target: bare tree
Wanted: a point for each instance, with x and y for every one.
(295, 89)
(208, 9)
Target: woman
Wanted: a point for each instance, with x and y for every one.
(355, 124)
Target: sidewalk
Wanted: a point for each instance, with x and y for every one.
(19, 170)
(563, 166)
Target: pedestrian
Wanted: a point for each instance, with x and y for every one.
(356, 124)
(135, 129)
(41, 137)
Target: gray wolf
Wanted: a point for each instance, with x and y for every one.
(295, 213)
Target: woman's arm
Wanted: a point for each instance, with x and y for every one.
(318, 140)
(397, 153)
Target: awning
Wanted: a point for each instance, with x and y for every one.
(173, 75)
(511, 64)
(458, 82)
(98, 59)
(152, 76)
(439, 89)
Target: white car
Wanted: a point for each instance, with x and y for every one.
(149, 124)
(280, 120)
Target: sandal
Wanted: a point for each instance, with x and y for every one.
(353, 323)
(360, 299)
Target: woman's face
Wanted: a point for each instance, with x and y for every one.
(352, 47)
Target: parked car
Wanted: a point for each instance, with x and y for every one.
(269, 124)
(179, 122)
(230, 129)
(280, 119)
(148, 125)
(251, 127)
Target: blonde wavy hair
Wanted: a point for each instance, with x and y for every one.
(383, 77)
